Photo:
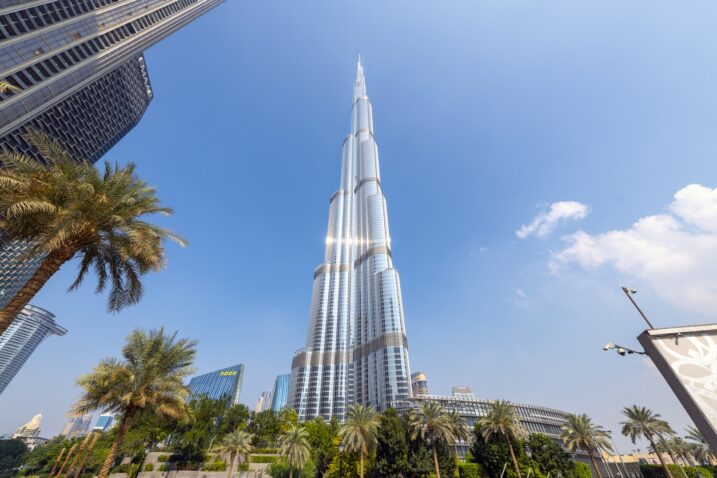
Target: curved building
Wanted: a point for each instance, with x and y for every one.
(19, 341)
(419, 384)
(356, 346)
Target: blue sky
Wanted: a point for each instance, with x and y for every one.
(486, 114)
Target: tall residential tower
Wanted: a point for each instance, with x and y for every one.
(356, 348)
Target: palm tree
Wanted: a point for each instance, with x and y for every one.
(359, 432)
(6, 87)
(698, 446)
(235, 443)
(148, 381)
(433, 425)
(581, 432)
(459, 429)
(502, 419)
(643, 422)
(294, 447)
(68, 208)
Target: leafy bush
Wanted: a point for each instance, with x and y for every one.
(268, 451)
(215, 466)
(266, 459)
(164, 467)
(123, 468)
(149, 467)
(281, 470)
(469, 470)
(163, 458)
(656, 471)
(582, 470)
(243, 467)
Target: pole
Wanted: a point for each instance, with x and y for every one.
(629, 296)
(504, 467)
(87, 454)
(67, 457)
(57, 461)
(672, 455)
(624, 468)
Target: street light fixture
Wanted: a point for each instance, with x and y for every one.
(622, 350)
(629, 293)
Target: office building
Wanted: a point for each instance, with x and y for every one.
(221, 384)
(535, 419)
(419, 384)
(280, 392)
(29, 433)
(104, 422)
(462, 392)
(21, 339)
(52, 50)
(264, 402)
(77, 426)
(80, 77)
(356, 347)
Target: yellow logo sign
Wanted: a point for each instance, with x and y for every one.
(227, 373)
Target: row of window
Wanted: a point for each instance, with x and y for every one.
(33, 18)
(63, 60)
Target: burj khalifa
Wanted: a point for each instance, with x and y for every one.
(356, 347)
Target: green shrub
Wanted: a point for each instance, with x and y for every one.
(123, 468)
(582, 470)
(163, 458)
(268, 451)
(243, 467)
(149, 467)
(469, 470)
(215, 466)
(164, 467)
(266, 459)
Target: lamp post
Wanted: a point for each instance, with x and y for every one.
(624, 468)
(629, 293)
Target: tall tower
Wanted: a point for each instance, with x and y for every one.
(20, 340)
(356, 347)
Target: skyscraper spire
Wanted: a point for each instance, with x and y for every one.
(356, 347)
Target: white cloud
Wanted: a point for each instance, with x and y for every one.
(546, 221)
(675, 253)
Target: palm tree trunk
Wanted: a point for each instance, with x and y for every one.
(592, 459)
(67, 458)
(435, 463)
(659, 455)
(512, 455)
(49, 266)
(291, 471)
(57, 462)
(230, 465)
(87, 454)
(361, 468)
(123, 427)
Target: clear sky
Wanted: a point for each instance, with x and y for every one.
(487, 114)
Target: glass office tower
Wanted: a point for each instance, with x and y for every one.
(356, 348)
(280, 393)
(220, 384)
(20, 340)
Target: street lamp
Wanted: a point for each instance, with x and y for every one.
(624, 468)
(629, 293)
(621, 350)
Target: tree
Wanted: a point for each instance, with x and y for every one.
(502, 420)
(492, 454)
(68, 208)
(549, 457)
(458, 427)
(324, 441)
(11, 454)
(358, 433)
(266, 428)
(199, 428)
(235, 417)
(6, 87)
(148, 381)
(698, 446)
(581, 432)
(235, 443)
(643, 422)
(294, 447)
(433, 425)
(392, 447)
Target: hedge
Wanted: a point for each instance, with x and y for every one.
(163, 458)
(149, 467)
(469, 470)
(656, 471)
(269, 451)
(266, 459)
(215, 466)
(164, 467)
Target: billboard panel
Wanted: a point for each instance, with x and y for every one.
(687, 358)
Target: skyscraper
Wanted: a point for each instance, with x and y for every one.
(220, 384)
(21, 339)
(77, 426)
(419, 384)
(356, 347)
(80, 77)
(280, 393)
(104, 422)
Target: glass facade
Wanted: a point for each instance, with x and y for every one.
(19, 341)
(280, 393)
(77, 426)
(419, 384)
(220, 384)
(356, 347)
(104, 422)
